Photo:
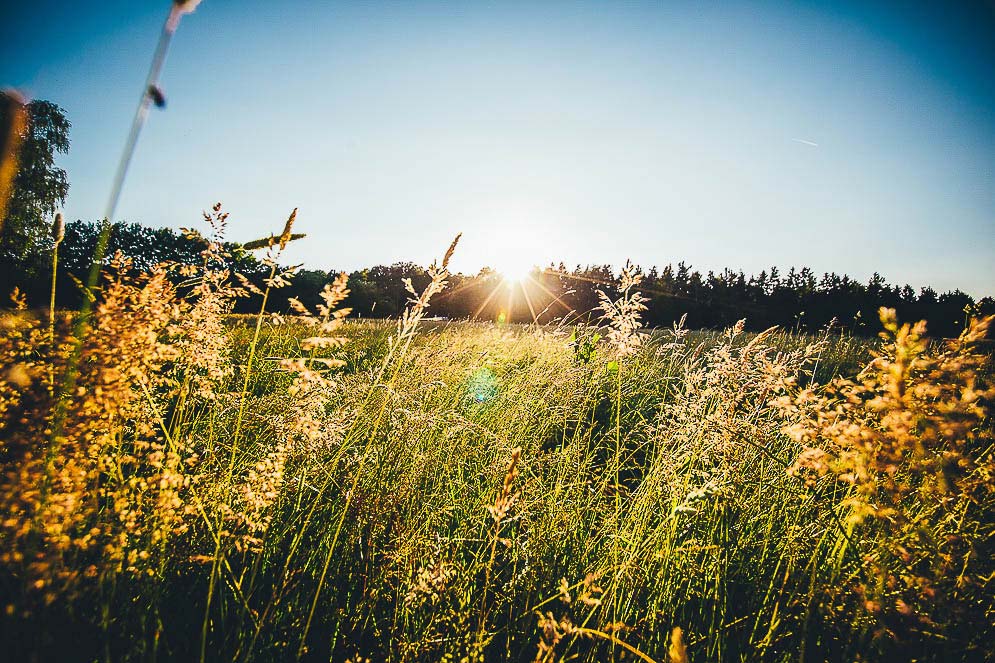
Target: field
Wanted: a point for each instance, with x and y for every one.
(184, 484)
(209, 455)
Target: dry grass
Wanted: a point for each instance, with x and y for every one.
(182, 484)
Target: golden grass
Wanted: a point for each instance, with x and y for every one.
(284, 487)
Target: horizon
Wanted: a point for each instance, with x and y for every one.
(582, 133)
(521, 272)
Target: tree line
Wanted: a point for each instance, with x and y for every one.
(797, 299)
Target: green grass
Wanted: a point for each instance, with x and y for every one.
(663, 474)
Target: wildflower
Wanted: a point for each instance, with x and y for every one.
(256, 495)
(904, 435)
(418, 303)
(624, 314)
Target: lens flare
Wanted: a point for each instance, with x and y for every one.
(483, 385)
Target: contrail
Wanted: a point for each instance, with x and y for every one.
(805, 142)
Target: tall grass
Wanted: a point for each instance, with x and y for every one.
(302, 487)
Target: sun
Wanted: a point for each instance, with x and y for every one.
(514, 271)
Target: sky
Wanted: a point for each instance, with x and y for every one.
(850, 137)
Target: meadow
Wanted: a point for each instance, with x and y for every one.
(183, 484)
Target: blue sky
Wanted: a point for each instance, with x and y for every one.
(852, 137)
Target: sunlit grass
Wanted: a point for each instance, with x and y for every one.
(304, 487)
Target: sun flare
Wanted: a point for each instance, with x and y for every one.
(514, 271)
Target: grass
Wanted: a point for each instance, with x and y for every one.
(252, 488)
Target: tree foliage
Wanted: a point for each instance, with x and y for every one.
(797, 300)
(39, 189)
